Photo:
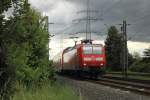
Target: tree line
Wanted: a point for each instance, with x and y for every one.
(114, 47)
(24, 48)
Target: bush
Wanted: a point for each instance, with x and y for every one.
(140, 66)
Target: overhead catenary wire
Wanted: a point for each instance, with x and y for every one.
(136, 21)
(70, 26)
(105, 11)
(135, 34)
(116, 4)
(66, 28)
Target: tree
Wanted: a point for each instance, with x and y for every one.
(146, 57)
(113, 46)
(141, 64)
(28, 45)
(130, 59)
(23, 47)
(137, 56)
(6, 70)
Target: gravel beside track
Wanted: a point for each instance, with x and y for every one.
(91, 91)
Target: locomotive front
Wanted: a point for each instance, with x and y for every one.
(93, 56)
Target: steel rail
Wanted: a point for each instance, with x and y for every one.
(125, 85)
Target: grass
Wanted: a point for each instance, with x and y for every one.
(45, 92)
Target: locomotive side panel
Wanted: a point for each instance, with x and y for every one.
(70, 60)
(79, 57)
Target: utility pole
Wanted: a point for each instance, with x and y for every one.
(124, 53)
(46, 28)
(46, 18)
(88, 19)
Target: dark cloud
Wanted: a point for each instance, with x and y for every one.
(136, 12)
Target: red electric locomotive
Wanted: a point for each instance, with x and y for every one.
(84, 57)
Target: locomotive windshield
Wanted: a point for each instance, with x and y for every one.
(97, 50)
(87, 50)
(92, 50)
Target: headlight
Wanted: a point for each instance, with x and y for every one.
(87, 59)
(84, 64)
(99, 59)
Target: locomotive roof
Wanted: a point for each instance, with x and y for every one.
(79, 45)
(89, 44)
(68, 49)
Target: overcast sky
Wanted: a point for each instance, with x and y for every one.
(113, 12)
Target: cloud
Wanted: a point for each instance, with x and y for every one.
(44, 5)
(137, 47)
(62, 12)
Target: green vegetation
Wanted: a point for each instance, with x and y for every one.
(7, 71)
(24, 55)
(141, 64)
(113, 47)
(45, 92)
(25, 70)
(28, 46)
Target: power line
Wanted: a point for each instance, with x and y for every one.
(135, 34)
(88, 18)
(62, 31)
(140, 19)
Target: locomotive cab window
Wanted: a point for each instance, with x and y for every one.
(87, 50)
(92, 50)
(97, 50)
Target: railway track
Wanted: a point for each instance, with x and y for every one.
(125, 85)
(129, 78)
(137, 86)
